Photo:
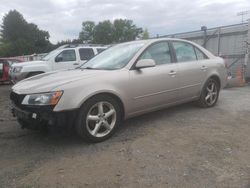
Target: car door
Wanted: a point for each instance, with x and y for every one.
(153, 87)
(190, 70)
(66, 59)
(86, 54)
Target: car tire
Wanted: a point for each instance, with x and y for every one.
(209, 94)
(98, 118)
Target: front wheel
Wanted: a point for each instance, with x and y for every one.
(209, 94)
(98, 118)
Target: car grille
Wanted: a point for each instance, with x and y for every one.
(16, 98)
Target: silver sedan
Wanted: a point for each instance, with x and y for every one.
(126, 80)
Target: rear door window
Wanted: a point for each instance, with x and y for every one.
(86, 53)
(184, 51)
(200, 55)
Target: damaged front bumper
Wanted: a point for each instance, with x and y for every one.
(40, 117)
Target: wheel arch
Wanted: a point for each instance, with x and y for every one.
(216, 78)
(111, 94)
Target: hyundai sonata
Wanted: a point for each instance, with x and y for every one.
(126, 80)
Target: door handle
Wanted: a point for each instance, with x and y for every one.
(204, 68)
(76, 64)
(172, 73)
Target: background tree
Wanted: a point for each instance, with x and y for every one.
(106, 32)
(125, 30)
(63, 42)
(103, 33)
(87, 33)
(145, 34)
(18, 37)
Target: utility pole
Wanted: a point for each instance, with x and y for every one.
(247, 55)
(204, 29)
(242, 14)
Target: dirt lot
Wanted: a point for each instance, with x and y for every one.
(184, 146)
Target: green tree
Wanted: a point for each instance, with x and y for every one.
(145, 34)
(125, 30)
(87, 33)
(106, 32)
(103, 33)
(63, 42)
(18, 37)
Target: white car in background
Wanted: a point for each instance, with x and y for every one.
(64, 57)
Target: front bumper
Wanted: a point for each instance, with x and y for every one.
(16, 77)
(37, 117)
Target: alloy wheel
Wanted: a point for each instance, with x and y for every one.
(211, 93)
(101, 119)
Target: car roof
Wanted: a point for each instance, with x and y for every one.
(80, 47)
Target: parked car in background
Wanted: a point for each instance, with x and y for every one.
(5, 64)
(64, 57)
(125, 80)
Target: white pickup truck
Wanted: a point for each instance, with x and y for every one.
(64, 57)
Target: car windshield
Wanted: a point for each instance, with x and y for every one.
(115, 57)
(49, 55)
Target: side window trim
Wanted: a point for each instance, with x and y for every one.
(195, 53)
(171, 54)
(204, 55)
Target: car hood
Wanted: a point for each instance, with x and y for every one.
(48, 81)
(27, 63)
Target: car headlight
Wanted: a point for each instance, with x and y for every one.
(17, 69)
(42, 99)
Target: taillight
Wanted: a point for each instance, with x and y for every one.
(225, 63)
(225, 60)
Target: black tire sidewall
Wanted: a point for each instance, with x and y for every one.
(81, 126)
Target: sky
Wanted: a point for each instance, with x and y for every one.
(63, 18)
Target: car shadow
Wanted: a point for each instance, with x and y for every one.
(129, 129)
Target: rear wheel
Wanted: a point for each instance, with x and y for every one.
(210, 94)
(98, 118)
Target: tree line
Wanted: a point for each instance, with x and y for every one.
(18, 37)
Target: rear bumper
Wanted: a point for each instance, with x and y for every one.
(38, 118)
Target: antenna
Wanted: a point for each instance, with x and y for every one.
(242, 14)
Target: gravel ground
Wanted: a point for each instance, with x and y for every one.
(183, 146)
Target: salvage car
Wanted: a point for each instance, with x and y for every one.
(124, 81)
(5, 64)
(64, 57)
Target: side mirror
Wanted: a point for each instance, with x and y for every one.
(144, 63)
(58, 59)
